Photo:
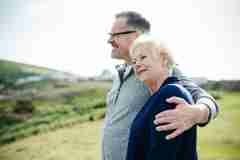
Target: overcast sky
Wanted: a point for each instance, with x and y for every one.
(71, 35)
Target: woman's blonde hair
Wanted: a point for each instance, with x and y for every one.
(156, 48)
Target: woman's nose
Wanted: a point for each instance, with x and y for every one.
(137, 65)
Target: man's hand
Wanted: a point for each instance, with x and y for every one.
(180, 119)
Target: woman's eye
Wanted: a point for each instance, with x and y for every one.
(143, 57)
(133, 62)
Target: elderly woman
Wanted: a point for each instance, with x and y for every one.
(152, 64)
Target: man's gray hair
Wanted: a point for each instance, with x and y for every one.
(135, 21)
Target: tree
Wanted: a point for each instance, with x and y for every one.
(9, 74)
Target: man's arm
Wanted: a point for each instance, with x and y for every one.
(204, 109)
(200, 97)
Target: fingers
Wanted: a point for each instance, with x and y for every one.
(164, 120)
(178, 120)
(176, 100)
(166, 127)
(179, 126)
(178, 129)
(166, 113)
(174, 134)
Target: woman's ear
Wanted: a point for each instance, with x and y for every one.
(163, 55)
(165, 62)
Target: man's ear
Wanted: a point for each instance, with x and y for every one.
(136, 34)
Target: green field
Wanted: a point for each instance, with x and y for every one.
(51, 108)
(220, 140)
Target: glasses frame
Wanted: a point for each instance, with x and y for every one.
(120, 33)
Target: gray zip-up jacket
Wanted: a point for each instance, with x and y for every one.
(125, 100)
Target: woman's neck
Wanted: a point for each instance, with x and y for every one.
(154, 85)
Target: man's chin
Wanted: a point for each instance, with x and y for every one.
(115, 56)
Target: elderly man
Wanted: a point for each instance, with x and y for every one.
(128, 94)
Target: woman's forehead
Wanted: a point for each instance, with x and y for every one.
(140, 50)
(145, 49)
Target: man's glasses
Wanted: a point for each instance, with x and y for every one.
(120, 33)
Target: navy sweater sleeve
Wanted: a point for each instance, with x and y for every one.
(183, 146)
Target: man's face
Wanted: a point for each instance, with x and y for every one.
(121, 38)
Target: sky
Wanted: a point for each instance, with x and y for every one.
(71, 35)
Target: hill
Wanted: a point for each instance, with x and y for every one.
(13, 73)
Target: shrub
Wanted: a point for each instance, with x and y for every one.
(100, 104)
(91, 118)
(24, 106)
(7, 120)
(217, 94)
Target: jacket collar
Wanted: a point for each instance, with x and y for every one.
(124, 71)
(171, 79)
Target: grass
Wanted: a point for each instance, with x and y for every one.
(79, 103)
(81, 142)
(48, 123)
(220, 140)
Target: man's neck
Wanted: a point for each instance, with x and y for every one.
(127, 61)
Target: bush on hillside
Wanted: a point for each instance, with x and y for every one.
(24, 106)
(217, 94)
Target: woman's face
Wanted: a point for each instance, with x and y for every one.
(147, 65)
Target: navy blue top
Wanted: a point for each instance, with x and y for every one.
(145, 143)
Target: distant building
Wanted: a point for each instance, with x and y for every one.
(62, 76)
(30, 79)
(200, 80)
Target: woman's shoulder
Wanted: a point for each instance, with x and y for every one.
(172, 87)
(175, 89)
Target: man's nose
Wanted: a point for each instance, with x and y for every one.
(110, 40)
(113, 43)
